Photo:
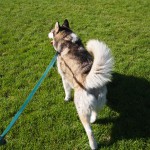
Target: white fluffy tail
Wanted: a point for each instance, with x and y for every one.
(101, 69)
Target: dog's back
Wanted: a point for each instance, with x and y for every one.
(75, 63)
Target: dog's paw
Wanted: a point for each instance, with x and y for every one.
(67, 98)
(94, 147)
(92, 120)
(93, 117)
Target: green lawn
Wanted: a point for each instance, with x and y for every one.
(48, 122)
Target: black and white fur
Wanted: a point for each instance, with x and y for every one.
(85, 71)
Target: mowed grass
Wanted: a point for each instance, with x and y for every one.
(48, 122)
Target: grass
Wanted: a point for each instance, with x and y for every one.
(50, 123)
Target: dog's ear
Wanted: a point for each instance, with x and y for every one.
(66, 23)
(57, 27)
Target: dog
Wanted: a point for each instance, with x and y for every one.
(86, 70)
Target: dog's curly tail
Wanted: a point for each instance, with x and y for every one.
(102, 66)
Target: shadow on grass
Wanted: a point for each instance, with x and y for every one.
(130, 97)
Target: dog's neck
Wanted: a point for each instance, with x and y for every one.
(63, 44)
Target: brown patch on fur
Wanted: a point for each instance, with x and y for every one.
(75, 63)
(74, 76)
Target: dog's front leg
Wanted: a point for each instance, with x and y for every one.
(67, 89)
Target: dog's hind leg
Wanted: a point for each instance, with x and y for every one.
(86, 123)
(99, 104)
(102, 98)
(93, 116)
(85, 119)
(84, 115)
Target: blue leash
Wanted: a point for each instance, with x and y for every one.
(2, 140)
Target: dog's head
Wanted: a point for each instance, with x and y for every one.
(62, 33)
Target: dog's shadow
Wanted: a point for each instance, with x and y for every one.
(130, 97)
